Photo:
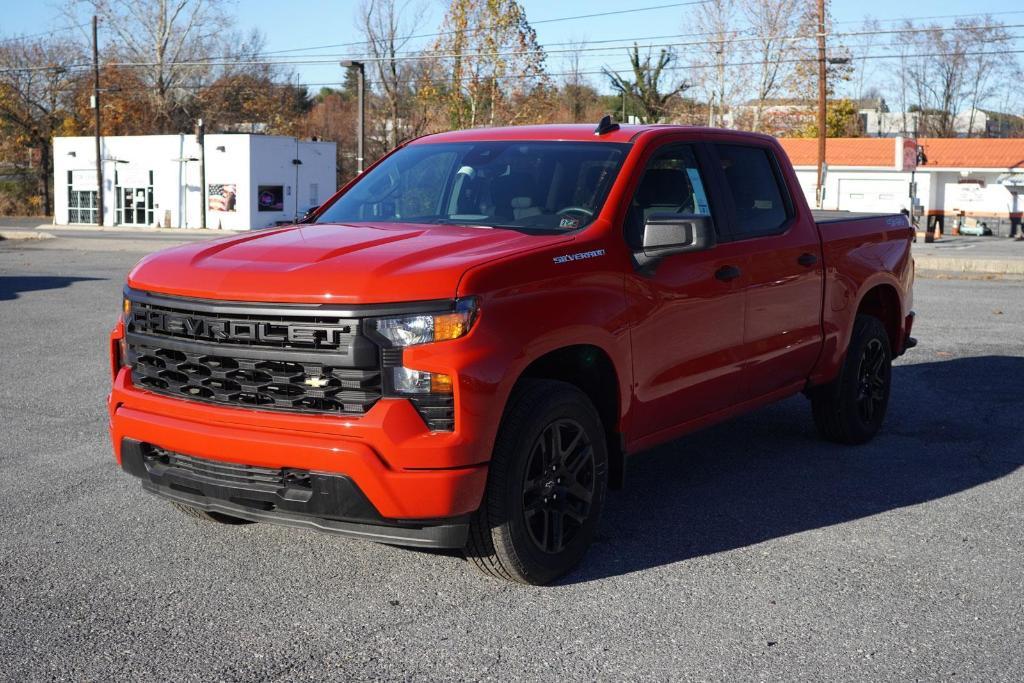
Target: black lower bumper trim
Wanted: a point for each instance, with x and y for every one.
(296, 498)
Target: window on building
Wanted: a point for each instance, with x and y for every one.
(81, 202)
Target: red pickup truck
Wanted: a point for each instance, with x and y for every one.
(463, 347)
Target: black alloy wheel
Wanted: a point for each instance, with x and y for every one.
(559, 485)
(851, 408)
(872, 382)
(546, 485)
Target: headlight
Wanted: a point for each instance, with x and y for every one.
(409, 330)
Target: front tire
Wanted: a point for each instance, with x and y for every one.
(546, 486)
(851, 409)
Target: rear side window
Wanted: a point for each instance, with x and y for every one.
(751, 179)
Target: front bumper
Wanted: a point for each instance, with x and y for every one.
(287, 496)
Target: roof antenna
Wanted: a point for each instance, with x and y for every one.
(605, 126)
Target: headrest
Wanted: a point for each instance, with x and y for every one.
(664, 186)
(521, 202)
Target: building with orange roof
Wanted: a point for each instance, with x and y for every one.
(959, 182)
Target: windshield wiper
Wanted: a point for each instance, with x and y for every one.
(499, 226)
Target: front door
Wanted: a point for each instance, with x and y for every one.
(135, 201)
(690, 322)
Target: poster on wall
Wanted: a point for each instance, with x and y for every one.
(84, 180)
(221, 197)
(270, 198)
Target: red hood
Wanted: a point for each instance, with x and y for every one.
(329, 263)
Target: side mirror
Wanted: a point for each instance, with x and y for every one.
(308, 215)
(666, 234)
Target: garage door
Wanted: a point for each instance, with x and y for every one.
(874, 196)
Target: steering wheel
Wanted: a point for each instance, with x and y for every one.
(576, 209)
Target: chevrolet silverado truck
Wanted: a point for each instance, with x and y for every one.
(465, 345)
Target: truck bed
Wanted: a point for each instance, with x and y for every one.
(829, 216)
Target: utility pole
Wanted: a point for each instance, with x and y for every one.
(96, 107)
(201, 139)
(721, 82)
(360, 130)
(821, 100)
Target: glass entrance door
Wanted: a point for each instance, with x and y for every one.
(135, 204)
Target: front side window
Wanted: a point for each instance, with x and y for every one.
(528, 186)
(751, 179)
(671, 184)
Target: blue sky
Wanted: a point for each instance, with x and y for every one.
(292, 24)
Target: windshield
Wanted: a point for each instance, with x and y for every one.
(529, 186)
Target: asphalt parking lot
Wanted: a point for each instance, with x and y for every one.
(751, 551)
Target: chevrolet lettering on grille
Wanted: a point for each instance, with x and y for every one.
(155, 322)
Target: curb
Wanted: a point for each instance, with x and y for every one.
(24, 235)
(140, 230)
(968, 265)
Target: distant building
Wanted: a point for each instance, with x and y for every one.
(252, 181)
(962, 178)
(786, 117)
(877, 121)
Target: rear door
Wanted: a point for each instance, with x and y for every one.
(689, 311)
(779, 257)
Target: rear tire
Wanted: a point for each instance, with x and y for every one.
(217, 517)
(851, 409)
(546, 486)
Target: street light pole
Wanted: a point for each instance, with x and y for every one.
(361, 129)
(96, 105)
(821, 99)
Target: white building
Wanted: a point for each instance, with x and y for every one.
(878, 121)
(252, 181)
(962, 180)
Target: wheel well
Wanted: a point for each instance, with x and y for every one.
(589, 369)
(883, 303)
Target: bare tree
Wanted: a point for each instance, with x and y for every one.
(35, 100)
(937, 73)
(986, 63)
(645, 88)
(388, 26)
(870, 29)
(774, 23)
(576, 92)
(167, 41)
(719, 79)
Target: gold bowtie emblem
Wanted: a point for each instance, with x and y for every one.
(316, 382)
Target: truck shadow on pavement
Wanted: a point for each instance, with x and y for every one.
(951, 426)
(12, 286)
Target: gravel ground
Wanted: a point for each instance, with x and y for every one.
(750, 551)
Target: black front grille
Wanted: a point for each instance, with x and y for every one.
(258, 356)
(203, 374)
(226, 473)
(280, 357)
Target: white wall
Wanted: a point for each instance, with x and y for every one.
(305, 185)
(245, 161)
(941, 192)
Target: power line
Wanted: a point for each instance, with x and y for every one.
(18, 39)
(439, 81)
(330, 59)
(532, 23)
